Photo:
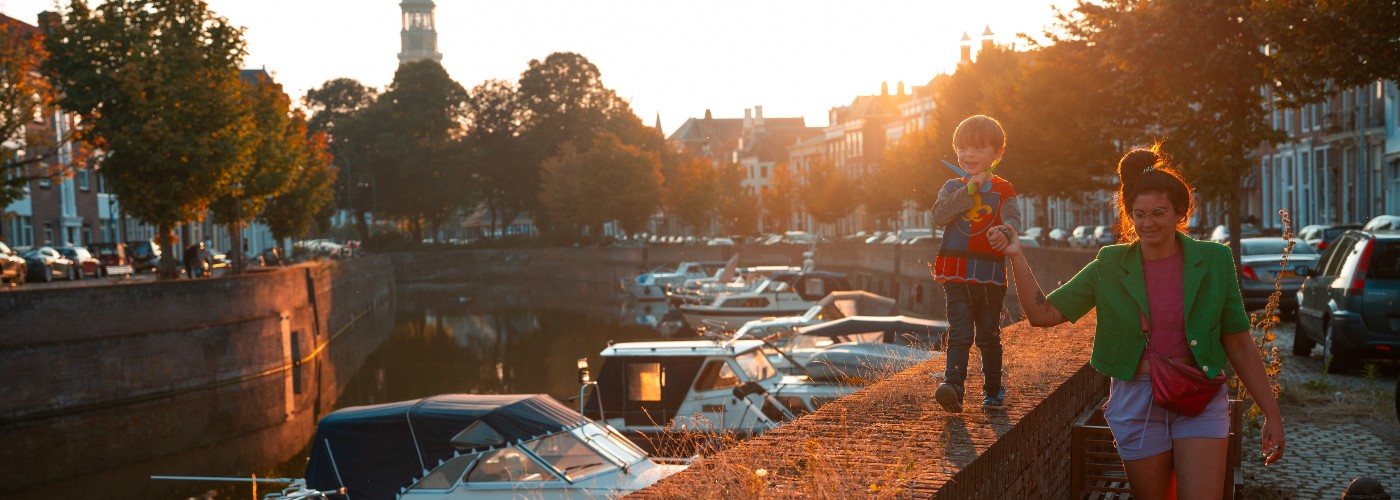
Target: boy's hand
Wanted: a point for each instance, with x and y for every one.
(1004, 239)
(980, 179)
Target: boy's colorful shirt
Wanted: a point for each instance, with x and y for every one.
(965, 254)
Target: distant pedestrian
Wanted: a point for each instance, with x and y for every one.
(196, 265)
(972, 272)
(1170, 317)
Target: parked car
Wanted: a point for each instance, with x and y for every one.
(1103, 236)
(1221, 234)
(1383, 223)
(1320, 236)
(113, 257)
(1261, 262)
(12, 267)
(1058, 238)
(1082, 237)
(1037, 234)
(720, 242)
(144, 254)
(1349, 300)
(45, 264)
(83, 262)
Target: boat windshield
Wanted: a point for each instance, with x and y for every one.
(609, 443)
(570, 455)
(820, 341)
(756, 366)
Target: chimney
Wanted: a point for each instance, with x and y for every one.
(758, 116)
(966, 44)
(748, 118)
(986, 40)
(884, 88)
(901, 87)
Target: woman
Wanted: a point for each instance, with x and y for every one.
(1186, 294)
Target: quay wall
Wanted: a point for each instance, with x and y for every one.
(897, 271)
(156, 373)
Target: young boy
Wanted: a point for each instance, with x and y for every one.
(972, 273)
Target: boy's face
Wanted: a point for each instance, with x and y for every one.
(975, 159)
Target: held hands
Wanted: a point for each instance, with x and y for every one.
(977, 181)
(1271, 437)
(1004, 240)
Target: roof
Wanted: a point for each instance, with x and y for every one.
(375, 449)
(681, 348)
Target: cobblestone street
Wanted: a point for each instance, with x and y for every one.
(1327, 449)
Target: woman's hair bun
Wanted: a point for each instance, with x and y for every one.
(1135, 163)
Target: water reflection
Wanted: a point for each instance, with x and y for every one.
(452, 340)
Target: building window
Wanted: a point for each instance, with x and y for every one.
(87, 235)
(83, 179)
(48, 233)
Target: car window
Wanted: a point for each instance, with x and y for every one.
(1331, 260)
(1385, 260)
(1353, 256)
(1276, 247)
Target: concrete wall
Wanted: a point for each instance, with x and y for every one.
(156, 374)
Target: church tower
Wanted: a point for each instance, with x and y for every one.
(419, 37)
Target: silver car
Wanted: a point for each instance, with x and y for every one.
(1261, 263)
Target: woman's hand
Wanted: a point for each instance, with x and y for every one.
(1271, 438)
(1004, 239)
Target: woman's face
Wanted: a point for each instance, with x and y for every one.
(1154, 219)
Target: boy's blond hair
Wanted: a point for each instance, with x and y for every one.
(979, 131)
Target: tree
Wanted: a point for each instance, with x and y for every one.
(26, 151)
(565, 102)
(780, 201)
(738, 206)
(692, 193)
(1195, 70)
(410, 141)
(611, 181)
(828, 194)
(332, 105)
(278, 149)
(911, 169)
(156, 82)
(494, 115)
(1318, 47)
(292, 212)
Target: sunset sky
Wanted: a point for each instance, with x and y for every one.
(793, 57)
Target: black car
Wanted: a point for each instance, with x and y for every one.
(144, 254)
(1350, 300)
(12, 267)
(1321, 236)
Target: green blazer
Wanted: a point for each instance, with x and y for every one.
(1114, 284)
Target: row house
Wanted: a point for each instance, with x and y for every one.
(1340, 162)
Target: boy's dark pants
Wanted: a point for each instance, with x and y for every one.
(974, 315)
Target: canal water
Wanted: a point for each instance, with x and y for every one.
(442, 340)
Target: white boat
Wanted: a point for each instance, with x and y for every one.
(471, 446)
(667, 392)
(783, 294)
(745, 279)
(652, 285)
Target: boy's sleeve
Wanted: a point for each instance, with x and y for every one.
(953, 199)
(1077, 298)
(1011, 213)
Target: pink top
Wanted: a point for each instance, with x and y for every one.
(1165, 303)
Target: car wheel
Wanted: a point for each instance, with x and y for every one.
(1302, 344)
(1342, 359)
(77, 273)
(48, 274)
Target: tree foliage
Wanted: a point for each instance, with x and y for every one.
(310, 189)
(781, 201)
(828, 195)
(495, 117)
(611, 181)
(414, 164)
(278, 148)
(334, 105)
(692, 192)
(26, 151)
(738, 207)
(1318, 47)
(156, 82)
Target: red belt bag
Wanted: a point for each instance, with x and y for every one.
(1177, 386)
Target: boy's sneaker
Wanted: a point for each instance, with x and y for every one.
(995, 401)
(950, 397)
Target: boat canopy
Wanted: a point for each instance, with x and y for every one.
(895, 329)
(845, 303)
(381, 448)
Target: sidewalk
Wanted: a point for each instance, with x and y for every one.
(1328, 442)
